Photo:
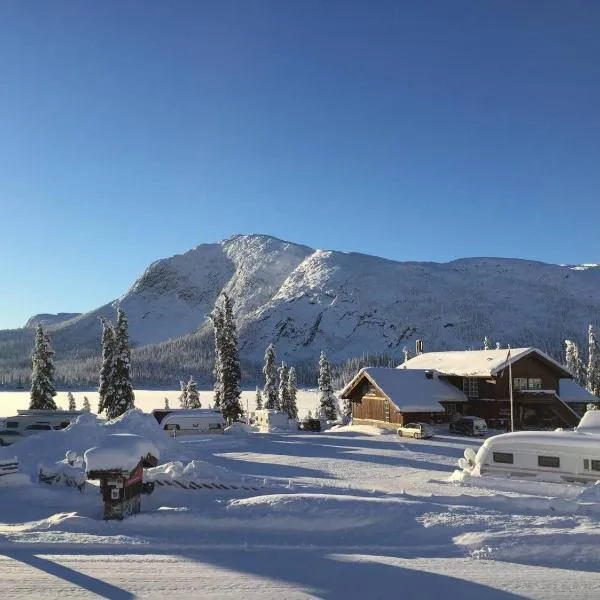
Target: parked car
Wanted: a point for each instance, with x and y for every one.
(8, 437)
(415, 430)
(310, 425)
(469, 426)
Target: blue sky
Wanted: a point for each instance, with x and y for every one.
(131, 131)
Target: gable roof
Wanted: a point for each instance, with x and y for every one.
(408, 390)
(571, 391)
(476, 363)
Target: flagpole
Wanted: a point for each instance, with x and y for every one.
(510, 387)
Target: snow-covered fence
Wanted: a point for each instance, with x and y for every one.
(8, 466)
(204, 485)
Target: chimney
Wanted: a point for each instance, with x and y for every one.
(419, 348)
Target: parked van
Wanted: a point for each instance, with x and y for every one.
(545, 455)
(191, 421)
(469, 426)
(30, 422)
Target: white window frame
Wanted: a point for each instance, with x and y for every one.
(471, 387)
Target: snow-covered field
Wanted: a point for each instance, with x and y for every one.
(147, 400)
(347, 513)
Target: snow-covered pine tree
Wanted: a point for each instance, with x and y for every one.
(124, 397)
(183, 396)
(284, 396)
(85, 407)
(593, 369)
(327, 401)
(487, 345)
(218, 320)
(193, 397)
(167, 407)
(259, 402)
(42, 372)
(231, 372)
(270, 390)
(71, 401)
(406, 353)
(346, 411)
(498, 346)
(292, 388)
(106, 387)
(574, 363)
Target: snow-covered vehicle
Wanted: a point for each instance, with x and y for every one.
(30, 422)
(190, 421)
(469, 426)
(415, 430)
(570, 456)
(9, 436)
(267, 419)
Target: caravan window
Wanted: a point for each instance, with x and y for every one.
(38, 427)
(549, 461)
(12, 425)
(503, 457)
(214, 425)
(593, 465)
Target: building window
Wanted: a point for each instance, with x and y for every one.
(549, 461)
(450, 409)
(503, 457)
(471, 387)
(524, 383)
(367, 389)
(593, 465)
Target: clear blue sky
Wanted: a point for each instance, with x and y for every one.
(131, 131)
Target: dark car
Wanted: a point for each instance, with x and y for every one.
(469, 426)
(8, 436)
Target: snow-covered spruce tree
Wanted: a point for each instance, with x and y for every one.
(327, 401)
(71, 401)
(593, 369)
(346, 411)
(292, 411)
(231, 372)
(85, 407)
(193, 397)
(42, 373)
(406, 353)
(218, 320)
(270, 391)
(259, 402)
(167, 407)
(487, 345)
(284, 396)
(106, 387)
(574, 363)
(124, 397)
(183, 396)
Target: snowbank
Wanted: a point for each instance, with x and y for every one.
(364, 429)
(119, 451)
(196, 470)
(238, 428)
(85, 432)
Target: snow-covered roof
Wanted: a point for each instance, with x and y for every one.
(409, 390)
(541, 439)
(119, 451)
(571, 391)
(590, 422)
(474, 363)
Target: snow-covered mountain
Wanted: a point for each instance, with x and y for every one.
(306, 300)
(46, 319)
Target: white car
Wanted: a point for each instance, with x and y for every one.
(415, 430)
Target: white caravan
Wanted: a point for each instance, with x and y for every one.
(30, 422)
(190, 421)
(267, 419)
(570, 456)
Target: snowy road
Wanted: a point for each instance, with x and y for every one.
(342, 514)
(276, 574)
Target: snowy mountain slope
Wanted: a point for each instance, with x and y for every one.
(48, 319)
(306, 300)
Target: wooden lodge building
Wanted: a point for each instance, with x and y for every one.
(440, 386)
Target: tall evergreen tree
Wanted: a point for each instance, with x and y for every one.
(106, 388)
(346, 411)
(593, 369)
(284, 396)
(270, 390)
(42, 373)
(259, 402)
(124, 397)
(231, 372)
(218, 320)
(167, 407)
(85, 407)
(71, 401)
(487, 345)
(574, 362)
(183, 396)
(292, 389)
(327, 401)
(192, 394)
